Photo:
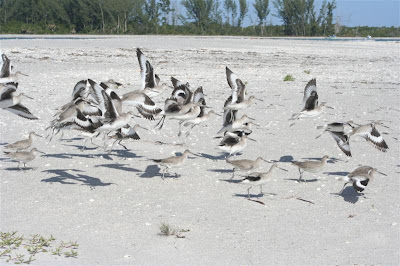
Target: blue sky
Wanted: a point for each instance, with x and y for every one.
(353, 12)
(349, 12)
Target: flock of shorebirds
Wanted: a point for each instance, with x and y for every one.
(96, 109)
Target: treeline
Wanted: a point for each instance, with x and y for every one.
(208, 17)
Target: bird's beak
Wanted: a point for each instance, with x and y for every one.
(28, 97)
(24, 74)
(218, 114)
(266, 161)
(282, 169)
(38, 135)
(329, 107)
(195, 154)
(143, 127)
(382, 173)
(252, 139)
(251, 118)
(257, 125)
(258, 99)
(41, 152)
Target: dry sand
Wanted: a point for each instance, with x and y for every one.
(113, 207)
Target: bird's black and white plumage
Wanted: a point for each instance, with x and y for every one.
(181, 92)
(337, 132)
(310, 98)
(12, 103)
(147, 74)
(360, 177)
(5, 70)
(80, 90)
(371, 134)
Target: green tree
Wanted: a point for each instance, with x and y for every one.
(262, 10)
(243, 9)
(200, 12)
(231, 10)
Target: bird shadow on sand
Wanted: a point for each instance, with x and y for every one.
(337, 173)
(126, 154)
(303, 180)
(23, 169)
(118, 166)
(151, 171)
(214, 157)
(81, 155)
(70, 139)
(80, 147)
(349, 194)
(284, 159)
(65, 177)
(233, 181)
(330, 160)
(222, 171)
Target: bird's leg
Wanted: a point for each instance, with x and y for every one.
(343, 188)
(301, 175)
(84, 145)
(119, 143)
(248, 193)
(180, 128)
(233, 173)
(190, 130)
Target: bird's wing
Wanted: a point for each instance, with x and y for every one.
(110, 110)
(241, 89)
(182, 93)
(129, 132)
(7, 92)
(310, 87)
(5, 67)
(311, 102)
(342, 141)
(21, 111)
(360, 185)
(360, 171)
(175, 82)
(97, 94)
(376, 139)
(146, 71)
(79, 88)
(253, 178)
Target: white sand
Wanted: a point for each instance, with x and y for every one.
(114, 207)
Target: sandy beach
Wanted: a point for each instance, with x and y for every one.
(113, 204)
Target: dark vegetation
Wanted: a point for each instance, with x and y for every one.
(191, 17)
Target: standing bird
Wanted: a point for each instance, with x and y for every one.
(360, 177)
(22, 144)
(311, 166)
(173, 161)
(371, 134)
(259, 179)
(150, 81)
(310, 102)
(23, 156)
(245, 165)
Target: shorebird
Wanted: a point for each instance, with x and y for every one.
(23, 156)
(145, 106)
(241, 123)
(310, 102)
(11, 102)
(245, 165)
(369, 133)
(13, 77)
(233, 143)
(150, 81)
(181, 92)
(237, 99)
(126, 132)
(113, 84)
(259, 179)
(311, 166)
(337, 132)
(22, 144)
(360, 177)
(198, 120)
(173, 161)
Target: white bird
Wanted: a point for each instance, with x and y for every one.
(233, 144)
